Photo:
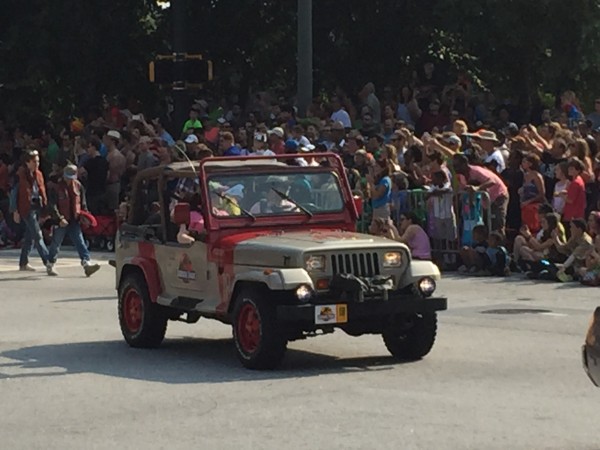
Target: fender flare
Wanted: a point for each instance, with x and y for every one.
(417, 270)
(149, 268)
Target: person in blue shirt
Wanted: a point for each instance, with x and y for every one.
(162, 133)
(379, 185)
(227, 145)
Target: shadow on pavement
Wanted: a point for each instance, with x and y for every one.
(176, 361)
(23, 278)
(87, 299)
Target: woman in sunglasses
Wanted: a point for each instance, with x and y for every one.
(413, 235)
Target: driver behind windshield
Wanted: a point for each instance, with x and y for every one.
(301, 190)
(273, 203)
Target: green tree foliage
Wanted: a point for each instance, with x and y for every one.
(524, 48)
(62, 54)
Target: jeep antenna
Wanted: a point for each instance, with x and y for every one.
(182, 151)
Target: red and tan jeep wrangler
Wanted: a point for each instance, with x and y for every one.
(269, 247)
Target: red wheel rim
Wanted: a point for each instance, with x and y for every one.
(132, 310)
(248, 328)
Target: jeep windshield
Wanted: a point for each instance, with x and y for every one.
(274, 194)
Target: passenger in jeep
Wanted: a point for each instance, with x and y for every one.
(274, 202)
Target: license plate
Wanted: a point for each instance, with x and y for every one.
(328, 314)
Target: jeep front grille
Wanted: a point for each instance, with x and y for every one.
(358, 264)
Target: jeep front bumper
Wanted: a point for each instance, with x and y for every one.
(310, 313)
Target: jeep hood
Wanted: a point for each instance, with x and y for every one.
(275, 248)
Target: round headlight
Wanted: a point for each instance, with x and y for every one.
(392, 259)
(426, 286)
(315, 263)
(304, 292)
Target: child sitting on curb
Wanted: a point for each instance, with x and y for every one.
(474, 257)
(498, 261)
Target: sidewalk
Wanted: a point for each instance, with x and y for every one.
(9, 259)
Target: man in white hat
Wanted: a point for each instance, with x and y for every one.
(260, 145)
(67, 200)
(488, 142)
(277, 140)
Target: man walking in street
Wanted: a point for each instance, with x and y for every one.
(29, 198)
(67, 200)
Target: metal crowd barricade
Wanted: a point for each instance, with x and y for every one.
(450, 232)
(448, 218)
(404, 201)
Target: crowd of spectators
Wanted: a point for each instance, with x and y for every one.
(540, 177)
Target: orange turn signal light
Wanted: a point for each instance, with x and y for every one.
(322, 284)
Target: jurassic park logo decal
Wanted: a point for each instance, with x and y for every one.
(326, 314)
(185, 271)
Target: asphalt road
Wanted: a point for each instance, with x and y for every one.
(492, 381)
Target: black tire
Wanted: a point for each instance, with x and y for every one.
(264, 347)
(413, 342)
(142, 322)
(110, 244)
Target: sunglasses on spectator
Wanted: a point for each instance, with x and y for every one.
(33, 153)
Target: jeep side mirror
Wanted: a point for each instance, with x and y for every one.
(181, 214)
(358, 203)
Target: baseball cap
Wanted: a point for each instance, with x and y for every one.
(70, 172)
(307, 148)
(191, 139)
(453, 139)
(277, 131)
(291, 144)
(337, 125)
(114, 134)
(260, 137)
(361, 151)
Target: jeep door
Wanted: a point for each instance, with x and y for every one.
(187, 274)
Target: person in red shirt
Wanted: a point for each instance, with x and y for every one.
(575, 197)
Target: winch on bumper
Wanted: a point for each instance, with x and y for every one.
(351, 299)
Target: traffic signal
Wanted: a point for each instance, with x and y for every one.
(180, 70)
